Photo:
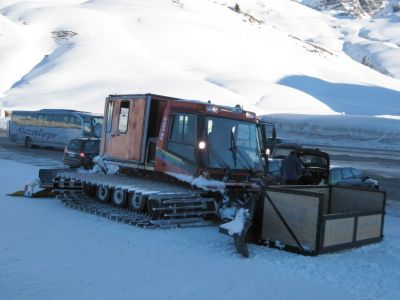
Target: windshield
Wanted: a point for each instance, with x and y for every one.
(233, 144)
(281, 152)
(75, 145)
(313, 160)
(92, 127)
(92, 146)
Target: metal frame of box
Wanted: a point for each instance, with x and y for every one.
(282, 210)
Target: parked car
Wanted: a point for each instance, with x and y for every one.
(348, 176)
(80, 152)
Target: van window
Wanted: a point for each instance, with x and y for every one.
(92, 146)
(123, 116)
(347, 174)
(358, 174)
(336, 175)
(75, 145)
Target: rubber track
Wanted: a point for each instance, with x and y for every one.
(85, 203)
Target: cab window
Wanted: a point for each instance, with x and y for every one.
(109, 112)
(183, 136)
(123, 117)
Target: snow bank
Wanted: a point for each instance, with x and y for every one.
(3, 123)
(341, 130)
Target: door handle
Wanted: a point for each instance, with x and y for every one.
(114, 134)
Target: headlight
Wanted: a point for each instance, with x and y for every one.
(202, 145)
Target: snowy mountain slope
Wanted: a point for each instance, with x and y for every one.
(353, 8)
(372, 40)
(77, 52)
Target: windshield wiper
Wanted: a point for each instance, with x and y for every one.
(244, 157)
(233, 147)
(219, 159)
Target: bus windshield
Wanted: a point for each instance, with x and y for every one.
(92, 127)
(232, 144)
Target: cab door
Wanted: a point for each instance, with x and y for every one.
(118, 136)
(124, 128)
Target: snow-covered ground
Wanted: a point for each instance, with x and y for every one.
(48, 251)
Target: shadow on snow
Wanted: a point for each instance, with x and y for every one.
(348, 98)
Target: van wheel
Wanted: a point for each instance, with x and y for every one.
(28, 142)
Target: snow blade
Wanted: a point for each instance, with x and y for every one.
(237, 229)
(240, 239)
(43, 193)
(47, 176)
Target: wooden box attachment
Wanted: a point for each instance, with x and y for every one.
(318, 219)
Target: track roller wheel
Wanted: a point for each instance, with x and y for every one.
(88, 189)
(137, 203)
(118, 197)
(151, 208)
(102, 194)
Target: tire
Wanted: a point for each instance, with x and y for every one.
(28, 142)
(137, 203)
(103, 194)
(118, 197)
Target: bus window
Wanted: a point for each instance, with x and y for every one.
(75, 122)
(49, 120)
(97, 125)
(40, 120)
(59, 121)
(16, 118)
(65, 121)
(25, 118)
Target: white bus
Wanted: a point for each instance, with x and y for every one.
(52, 127)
